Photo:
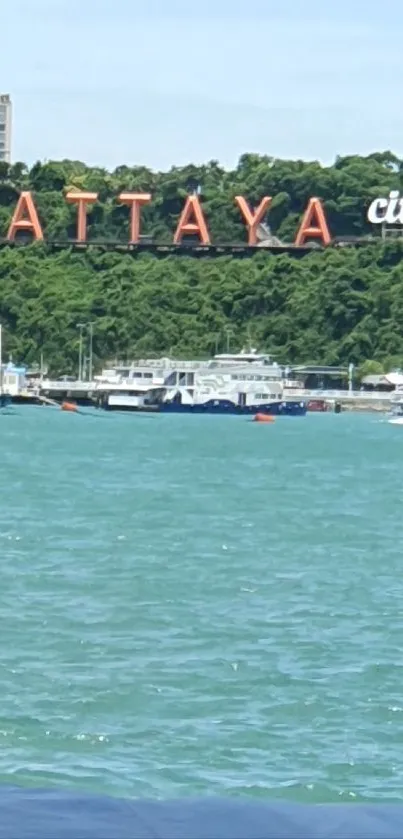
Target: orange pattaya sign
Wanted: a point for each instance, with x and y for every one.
(82, 199)
(314, 224)
(25, 218)
(192, 221)
(253, 219)
(135, 200)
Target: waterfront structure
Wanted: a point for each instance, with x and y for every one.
(243, 382)
(5, 127)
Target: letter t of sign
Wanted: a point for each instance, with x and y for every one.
(82, 199)
(134, 200)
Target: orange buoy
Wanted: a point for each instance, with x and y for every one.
(68, 406)
(263, 418)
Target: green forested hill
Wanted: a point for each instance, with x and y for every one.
(333, 306)
(330, 306)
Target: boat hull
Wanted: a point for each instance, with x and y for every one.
(133, 409)
(224, 406)
(5, 400)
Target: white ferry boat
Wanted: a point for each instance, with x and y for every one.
(238, 383)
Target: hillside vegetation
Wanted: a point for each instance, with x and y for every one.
(332, 306)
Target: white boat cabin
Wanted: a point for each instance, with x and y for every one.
(240, 384)
(13, 378)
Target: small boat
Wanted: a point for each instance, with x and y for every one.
(318, 406)
(69, 406)
(263, 418)
(395, 417)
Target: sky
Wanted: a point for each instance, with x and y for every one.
(163, 83)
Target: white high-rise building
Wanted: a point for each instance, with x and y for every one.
(5, 127)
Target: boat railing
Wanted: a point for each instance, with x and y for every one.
(161, 363)
(362, 395)
(62, 385)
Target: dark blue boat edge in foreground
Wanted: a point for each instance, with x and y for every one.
(5, 400)
(42, 814)
(225, 406)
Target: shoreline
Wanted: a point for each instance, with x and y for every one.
(362, 407)
(351, 405)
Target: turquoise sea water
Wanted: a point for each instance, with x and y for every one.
(195, 605)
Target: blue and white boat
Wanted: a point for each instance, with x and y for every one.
(241, 383)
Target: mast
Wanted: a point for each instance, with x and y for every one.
(91, 329)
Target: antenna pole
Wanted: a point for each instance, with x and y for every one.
(91, 329)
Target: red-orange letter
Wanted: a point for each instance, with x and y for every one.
(314, 224)
(134, 200)
(252, 219)
(186, 227)
(25, 218)
(82, 199)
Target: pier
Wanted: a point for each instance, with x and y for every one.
(56, 391)
(93, 393)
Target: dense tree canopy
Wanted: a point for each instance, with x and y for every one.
(332, 306)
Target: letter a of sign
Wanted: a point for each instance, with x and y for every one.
(314, 224)
(25, 218)
(192, 209)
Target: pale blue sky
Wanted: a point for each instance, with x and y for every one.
(153, 82)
